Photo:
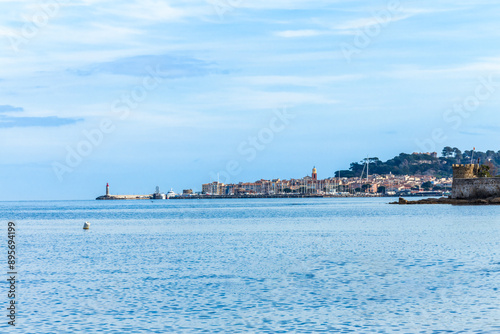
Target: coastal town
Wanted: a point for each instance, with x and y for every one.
(311, 186)
(371, 185)
(416, 174)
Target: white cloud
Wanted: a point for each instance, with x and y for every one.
(370, 21)
(299, 33)
(283, 4)
(7, 32)
(154, 11)
(473, 69)
(303, 81)
(353, 26)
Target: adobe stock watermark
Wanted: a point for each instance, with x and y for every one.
(33, 24)
(222, 7)
(454, 117)
(249, 148)
(364, 37)
(94, 137)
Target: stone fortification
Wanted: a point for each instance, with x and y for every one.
(465, 171)
(476, 188)
(468, 185)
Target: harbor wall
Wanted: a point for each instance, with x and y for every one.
(475, 188)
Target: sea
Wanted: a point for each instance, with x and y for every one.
(333, 265)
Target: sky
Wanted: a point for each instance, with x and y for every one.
(179, 93)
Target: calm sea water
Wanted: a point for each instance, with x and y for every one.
(254, 266)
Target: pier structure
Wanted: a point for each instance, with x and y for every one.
(122, 197)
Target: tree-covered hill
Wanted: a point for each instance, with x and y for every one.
(425, 164)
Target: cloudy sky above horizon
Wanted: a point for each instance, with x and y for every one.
(190, 89)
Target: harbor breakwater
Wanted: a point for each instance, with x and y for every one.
(146, 197)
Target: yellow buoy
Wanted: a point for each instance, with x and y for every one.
(86, 226)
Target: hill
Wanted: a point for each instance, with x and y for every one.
(425, 163)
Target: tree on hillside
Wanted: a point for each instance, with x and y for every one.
(424, 164)
(458, 154)
(344, 173)
(375, 161)
(447, 152)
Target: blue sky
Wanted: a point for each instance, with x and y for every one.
(172, 93)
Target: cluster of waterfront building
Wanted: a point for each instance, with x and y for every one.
(311, 185)
(373, 185)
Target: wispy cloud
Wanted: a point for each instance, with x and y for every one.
(165, 66)
(151, 11)
(7, 108)
(300, 33)
(370, 21)
(378, 18)
(289, 80)
(481, 66)
(353, 26)
(23, 122)
(286, 4)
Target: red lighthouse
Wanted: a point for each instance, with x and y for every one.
(107, 189)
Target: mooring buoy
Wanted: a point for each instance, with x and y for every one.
(86, 226)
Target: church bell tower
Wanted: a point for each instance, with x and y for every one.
(315, 174)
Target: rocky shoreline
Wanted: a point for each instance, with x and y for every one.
(451, 201)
